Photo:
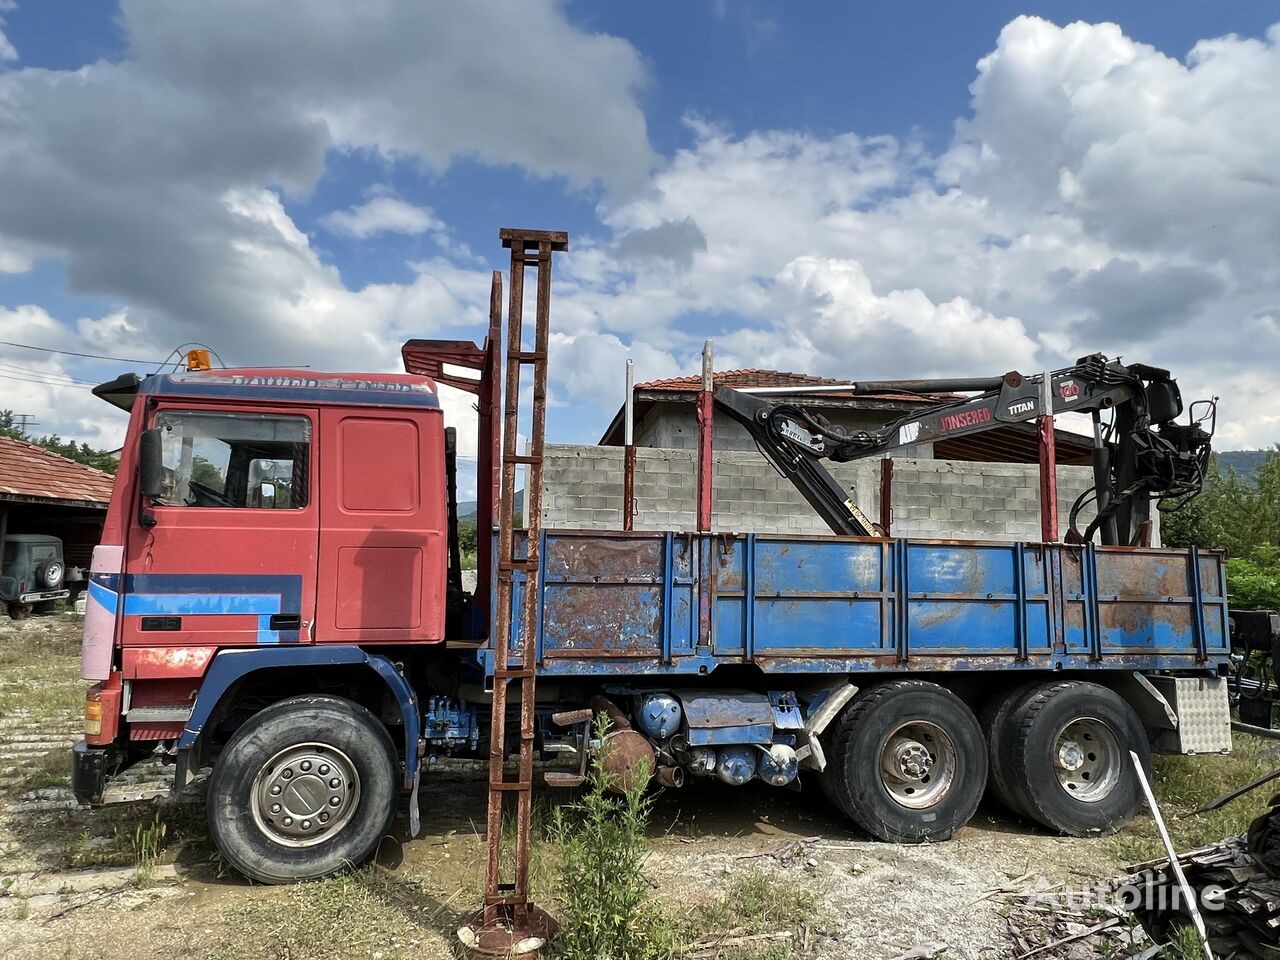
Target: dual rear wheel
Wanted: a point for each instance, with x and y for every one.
(1059, 755)
(908, 761)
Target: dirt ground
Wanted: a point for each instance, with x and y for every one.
(140, 880)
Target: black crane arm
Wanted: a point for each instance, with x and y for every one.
(1148, 454)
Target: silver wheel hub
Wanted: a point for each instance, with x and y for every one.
(918, 764)
(1070, 756)
(912, 759)
(306, 793)
(1088, 759)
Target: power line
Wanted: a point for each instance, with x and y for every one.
(47, 383)
(151, 363)
(72, 353)
(33, 372)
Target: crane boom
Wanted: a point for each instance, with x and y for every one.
(1143, 453)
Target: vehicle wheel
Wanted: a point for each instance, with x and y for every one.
(995, 721)
(1065, 753)
(306, 787)
(909, 761)
(827, 781)
(49, 575)
(19, 611)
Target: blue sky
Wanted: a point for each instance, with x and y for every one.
(847, 189)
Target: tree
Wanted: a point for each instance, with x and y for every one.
(1243, 517)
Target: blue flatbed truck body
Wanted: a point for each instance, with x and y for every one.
(647, 605)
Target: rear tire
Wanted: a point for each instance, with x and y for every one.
(305, 788)
(1065, 758)
(909, 763)
(995, 721)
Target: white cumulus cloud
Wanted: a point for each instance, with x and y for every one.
(382, 215)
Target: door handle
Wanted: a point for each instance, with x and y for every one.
(285, 621)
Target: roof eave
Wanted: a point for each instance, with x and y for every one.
(54, 501)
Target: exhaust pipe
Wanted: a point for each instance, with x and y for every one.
(671, 776)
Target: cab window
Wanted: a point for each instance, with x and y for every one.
(234, 460)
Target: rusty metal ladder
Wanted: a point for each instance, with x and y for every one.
(507, 903)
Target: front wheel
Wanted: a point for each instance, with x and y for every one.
(909, 762)
(306, 787)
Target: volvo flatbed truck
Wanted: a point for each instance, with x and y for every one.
(277, 597)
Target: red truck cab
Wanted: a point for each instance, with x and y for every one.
(257, 509)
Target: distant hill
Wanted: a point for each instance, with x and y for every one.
(467, 508)
(1244, 462)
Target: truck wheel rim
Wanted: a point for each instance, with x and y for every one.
(1087, 759)
(305, 794)
(918, 764)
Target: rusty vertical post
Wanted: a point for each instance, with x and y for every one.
(706, 429)
(508, 916)
(629, 452)
(886, 496)
(1048, 464)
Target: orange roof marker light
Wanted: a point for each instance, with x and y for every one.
(198, 360)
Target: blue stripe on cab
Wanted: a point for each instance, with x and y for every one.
(200, 603)
(109, 599)
(265, 633)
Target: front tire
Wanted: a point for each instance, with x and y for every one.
(1065, 756)
(909, 763)
(305, 788)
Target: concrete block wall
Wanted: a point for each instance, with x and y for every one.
(582, 489)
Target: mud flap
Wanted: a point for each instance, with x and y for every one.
(415, 819)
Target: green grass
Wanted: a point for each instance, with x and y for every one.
(51, 770)
(1183, 783)
(755, 903)
(40, 670)
(139, 835)
(356, 914)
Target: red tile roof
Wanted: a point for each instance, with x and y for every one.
(749, 378)
(31, 472)
(739, 378)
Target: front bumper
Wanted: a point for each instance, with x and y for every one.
(44, 595)
(90, 769)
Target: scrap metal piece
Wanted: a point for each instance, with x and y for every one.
(1188, 894)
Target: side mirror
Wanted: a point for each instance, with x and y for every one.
(151, 463)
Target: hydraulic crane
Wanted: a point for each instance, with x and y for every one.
(1139, 455)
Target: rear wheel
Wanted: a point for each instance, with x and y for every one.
(1064, 756)
(908, 763)
(306, 787)
(995, 722)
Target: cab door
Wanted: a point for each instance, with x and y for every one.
(382, 520)
(227, 555)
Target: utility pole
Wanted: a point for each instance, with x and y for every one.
(21, 421)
